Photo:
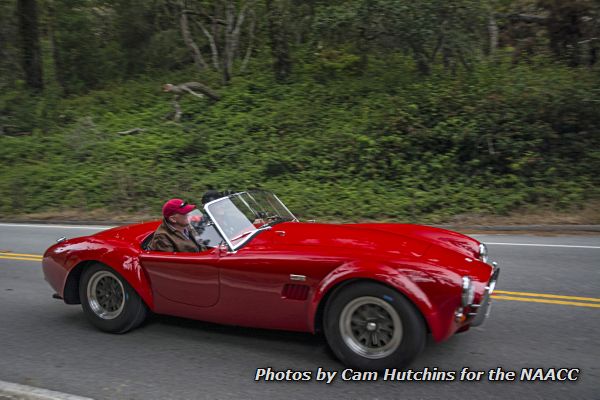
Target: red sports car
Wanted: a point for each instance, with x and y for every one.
(375, 290)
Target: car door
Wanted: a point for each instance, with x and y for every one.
(185, 278)
(269, 288)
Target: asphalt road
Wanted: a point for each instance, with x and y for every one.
(47, 344)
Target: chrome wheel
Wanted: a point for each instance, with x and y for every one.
(106, 295)
(370, 327)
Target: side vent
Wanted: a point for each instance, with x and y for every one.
(295, 292)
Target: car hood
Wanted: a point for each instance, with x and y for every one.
(450, 240)
(397, 239)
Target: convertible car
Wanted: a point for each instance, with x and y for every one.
(375, 290)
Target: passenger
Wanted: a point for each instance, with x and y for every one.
(211, 195)
(174, 233)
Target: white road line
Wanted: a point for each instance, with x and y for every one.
(543, 245)
(55, 226)
(25, 392)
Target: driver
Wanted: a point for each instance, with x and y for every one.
(174, 234)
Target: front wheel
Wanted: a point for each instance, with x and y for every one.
(370, 326)
(108, 301)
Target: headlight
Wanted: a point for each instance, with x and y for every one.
(483, 253)
(468, 291)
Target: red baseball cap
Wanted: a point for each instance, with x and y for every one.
(176, 206)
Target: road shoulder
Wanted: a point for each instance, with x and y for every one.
(9, 390)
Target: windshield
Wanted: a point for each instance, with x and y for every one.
(203, 230)
(241, 215)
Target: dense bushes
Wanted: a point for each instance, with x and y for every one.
(387, 144)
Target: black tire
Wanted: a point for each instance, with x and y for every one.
(108, 301)
(370, 326)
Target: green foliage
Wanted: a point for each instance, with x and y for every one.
(85, 53)
(388, 145)
(391, 110)
(428, 29)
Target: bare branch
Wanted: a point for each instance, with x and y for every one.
(191, 87)
(187, 37)
(131, 131)
(238, 28)
(177, 108)
(531, 18)
(493, 32)
(188, 87)
(213, 46)
(490, 144)
(190, 91)
(205, 15)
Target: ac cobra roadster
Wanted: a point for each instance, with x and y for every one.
(375, 290)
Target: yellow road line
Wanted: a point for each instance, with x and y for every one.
(533, 300)
(549, 296)
(21, 258)
(8, 253)
(21, 255)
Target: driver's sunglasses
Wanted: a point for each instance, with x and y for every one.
(183, 204)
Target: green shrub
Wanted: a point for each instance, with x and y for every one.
(384, 145)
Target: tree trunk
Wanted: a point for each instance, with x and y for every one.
(30, 43)
(421, 59)
(493, 32)
(229, 21)
(282, 64)
(250, 41)
(235, 35)
(54, 48)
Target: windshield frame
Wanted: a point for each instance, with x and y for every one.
(251, 233)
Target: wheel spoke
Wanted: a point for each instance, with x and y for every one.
(374, 339)
(371, 327)
(364, 336)
(105, 294)
(383, 316)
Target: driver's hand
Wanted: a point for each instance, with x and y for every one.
(195, 218)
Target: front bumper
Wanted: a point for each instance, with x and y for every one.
(479, 312)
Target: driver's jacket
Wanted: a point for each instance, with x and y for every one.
(166, 238)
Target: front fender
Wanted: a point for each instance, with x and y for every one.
(404, 280)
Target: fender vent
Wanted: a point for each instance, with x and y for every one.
(295, 292)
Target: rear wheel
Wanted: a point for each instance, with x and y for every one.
(370, 326)
(108, 301)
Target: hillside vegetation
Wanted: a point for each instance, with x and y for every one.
(336, 139)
